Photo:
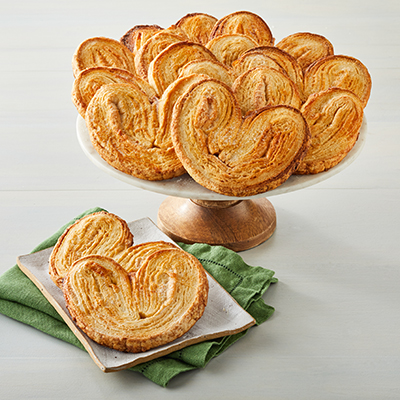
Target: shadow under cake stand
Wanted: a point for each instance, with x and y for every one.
(193, 214)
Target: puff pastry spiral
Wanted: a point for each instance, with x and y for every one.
(166, 67)
(334, 117)
(129, 298)
(285, 61)
(123, 126)
(104, 52)
(264, 86)
(152, 48)
(338, 71)
(244, 23)
(231, 155)
(90, 80)
(306, 47)
(197, 26)
(98, 233)
(136, 312)
(137, 36)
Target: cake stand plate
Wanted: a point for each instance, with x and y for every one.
(194, 214)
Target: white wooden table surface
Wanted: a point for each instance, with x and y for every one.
(335, 332)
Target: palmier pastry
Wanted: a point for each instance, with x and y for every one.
(338, 71)
(264, 86)
(166, 106)
(228, 48)
(90, 80)
(251, 59)
(285, 61)
(212, 68)
(123, 124)
(334, 117)
(306, 47)
(152, 48)
(136, 312)
(98, 233)
(102, 52)
(197, 26)
(246, 23)
(231, 155)
(165, 68)
(136, 37)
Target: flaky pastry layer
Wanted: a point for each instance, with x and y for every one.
(232, 155)
(334, 117)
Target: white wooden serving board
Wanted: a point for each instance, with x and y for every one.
(222, 316)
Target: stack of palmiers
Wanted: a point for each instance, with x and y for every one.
(219, 100)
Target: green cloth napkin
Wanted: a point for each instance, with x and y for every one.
(21, 300)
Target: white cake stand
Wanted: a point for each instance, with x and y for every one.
(194, 214)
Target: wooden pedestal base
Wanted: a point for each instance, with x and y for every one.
(238, 225)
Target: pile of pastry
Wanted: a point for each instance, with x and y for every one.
(126, 296)
(220, 100)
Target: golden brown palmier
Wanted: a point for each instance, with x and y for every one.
(306, 47)
(123, 123)
(127, 297)
(231, 155)
(166, 106)
(136, 312)
(166, 67)
(285, 61)
(152, 48)
(212, 68)
(90, 80)
(245, 23)
(334, 117)
(102, 52)
(136, 37)
(228, 48)
(197, 26)
(252, 59)
(338, 71)
(264, 86)
(98, 233)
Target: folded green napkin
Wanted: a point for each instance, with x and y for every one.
(21, 300)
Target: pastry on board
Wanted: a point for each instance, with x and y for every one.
(246, 23)
(130, 298)
(264, 86)
(137, 312)
(334, 117)
(232, 155)
(102, 52)
(338, 71)
(306, 47)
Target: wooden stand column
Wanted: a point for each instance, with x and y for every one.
(238, 225)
